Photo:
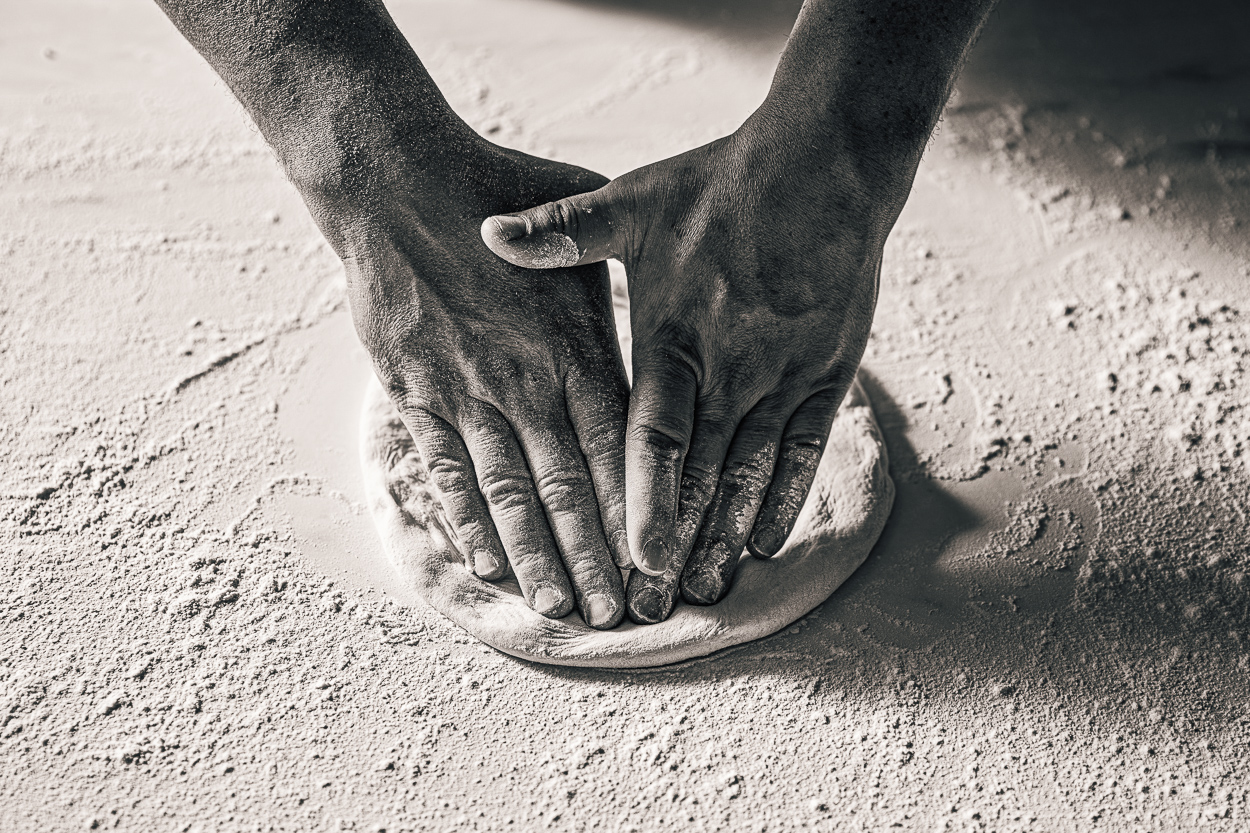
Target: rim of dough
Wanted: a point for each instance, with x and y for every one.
(844, 514)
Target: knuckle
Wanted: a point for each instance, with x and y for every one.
(399, 459)
(506, 490)
(715, 539)
(569, 217)
(664, 442)
(770, 414)
(744, 476)
(700, 469)
(804, 449)
(450, 475)
(785, 500)
(697, 487)
(603, 434)
(562, 491)
(719, 415)
(375, 336)
(671, 353)
(561, 216)
(758, 464)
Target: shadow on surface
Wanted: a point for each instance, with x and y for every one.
(946, 605)
(1036, 48)
(1156, 70)
(939, 611)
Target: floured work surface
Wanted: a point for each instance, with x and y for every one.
(839, 525)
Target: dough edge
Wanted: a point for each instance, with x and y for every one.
(844, 515)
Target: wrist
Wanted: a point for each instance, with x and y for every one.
(819, 162)
(867, 80)
(332, 84)
(361, 132)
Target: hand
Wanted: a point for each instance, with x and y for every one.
(753, 265)
(509, 379)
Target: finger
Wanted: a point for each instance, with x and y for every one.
(597, 407)
(740, 489)
(583, 228)
(802, 446)
(661, 410)
(506, 485)
(650, 598)
(451, 472)
(564, 486)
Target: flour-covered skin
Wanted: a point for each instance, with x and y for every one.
(753, 267)
(745, 338)
(851, 499)
(509, 379)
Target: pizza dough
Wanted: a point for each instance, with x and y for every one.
(841, 521)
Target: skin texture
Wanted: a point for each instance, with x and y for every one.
(753, 267)
(753, 264)
(510, 380)
(850, 501)
(514, 388)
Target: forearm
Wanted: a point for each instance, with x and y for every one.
(332, 85)
(871, 76)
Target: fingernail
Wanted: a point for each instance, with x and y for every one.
(620, 549)
(599, 610)
(764, 546)
(484, 564)
(702, 588)
(547, 601)
(510, 227)
(654, 557)
(647, 607)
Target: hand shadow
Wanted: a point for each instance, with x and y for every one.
(978, 588)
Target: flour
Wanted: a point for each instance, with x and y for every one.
(848, 505)
(200, 631)
(551, 251)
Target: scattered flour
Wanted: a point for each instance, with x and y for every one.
(180, 650)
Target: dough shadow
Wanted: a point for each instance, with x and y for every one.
(925, 516)
(939, 611)
(942, 607)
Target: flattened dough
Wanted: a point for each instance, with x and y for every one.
(840, 522)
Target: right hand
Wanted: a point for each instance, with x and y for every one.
(753, 264)
(509, 379)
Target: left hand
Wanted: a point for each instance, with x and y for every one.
(753, 266)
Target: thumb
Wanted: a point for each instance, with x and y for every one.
(568, 232)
